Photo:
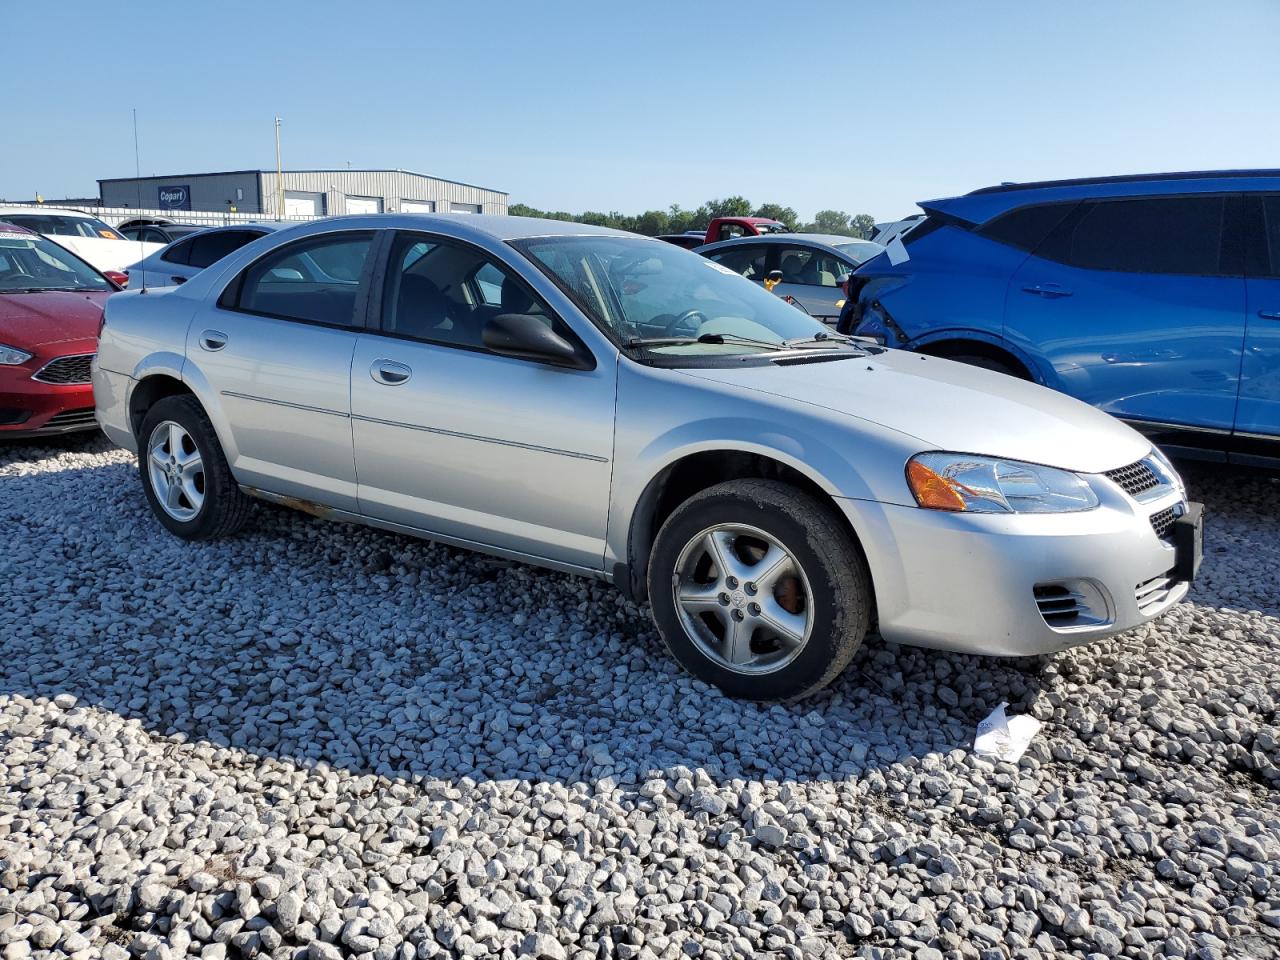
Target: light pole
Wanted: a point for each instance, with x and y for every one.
(279, 176)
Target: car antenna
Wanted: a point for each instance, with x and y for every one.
(137, 188)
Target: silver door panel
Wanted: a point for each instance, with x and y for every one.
(485, 448)
(285, 389)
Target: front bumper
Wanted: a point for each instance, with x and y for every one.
(968, 582)
(30, 408)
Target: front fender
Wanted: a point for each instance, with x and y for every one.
(659, 425)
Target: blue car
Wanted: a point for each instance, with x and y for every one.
(1156, 298)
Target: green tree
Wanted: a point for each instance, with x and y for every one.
(678, 219)
(652, 222)
(524, 210)
(830, 221)
(776, 211)
(728, 207)
(862, 226)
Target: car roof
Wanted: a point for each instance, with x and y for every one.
(801, 239)
(461, 225)
(983, 204)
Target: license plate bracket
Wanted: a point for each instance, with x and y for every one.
(1188, 543)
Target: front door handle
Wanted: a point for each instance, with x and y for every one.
(1269, 314)
(213, 339)
(1050, 290)
(391, 372)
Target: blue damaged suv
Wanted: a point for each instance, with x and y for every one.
(1156, 298)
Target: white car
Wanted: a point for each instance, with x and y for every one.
(178, 262)
(85, 235)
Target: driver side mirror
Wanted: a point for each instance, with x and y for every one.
(530, 337)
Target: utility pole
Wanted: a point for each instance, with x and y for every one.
(279, 176)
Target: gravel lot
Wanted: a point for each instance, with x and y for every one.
(318, 741)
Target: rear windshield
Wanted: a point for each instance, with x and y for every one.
(63, 225)
(30, 264)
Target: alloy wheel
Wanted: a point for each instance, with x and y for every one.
(743, 599)
(176, 470)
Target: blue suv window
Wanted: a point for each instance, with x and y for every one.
(1149, 235)
(1271, 216)
(1026, 227)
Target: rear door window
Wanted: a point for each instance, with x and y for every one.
(809, 266)
(1178, 235)
(208, 248)
(179, 252)
(316, 279)
(750, 260)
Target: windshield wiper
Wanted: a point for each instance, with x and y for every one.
(822, 336)
(703, 338)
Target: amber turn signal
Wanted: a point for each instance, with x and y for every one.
(932, 490)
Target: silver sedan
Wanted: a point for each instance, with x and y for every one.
(812, 265)
(614, 406)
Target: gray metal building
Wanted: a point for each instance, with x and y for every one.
(306, 193)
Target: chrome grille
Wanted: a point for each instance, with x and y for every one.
(1134, 479)
(1162, 522)
(1059, 606)
(64, 370)
(1154, 592)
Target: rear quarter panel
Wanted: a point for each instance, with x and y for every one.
(953, 283)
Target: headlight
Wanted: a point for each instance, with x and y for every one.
(961, 482)
(12, 356)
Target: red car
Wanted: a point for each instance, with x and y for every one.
(50, 313)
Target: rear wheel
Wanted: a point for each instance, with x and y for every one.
(990, 363)
(185, 474)
(756, 588)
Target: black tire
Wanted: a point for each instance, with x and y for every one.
(224, 509)
(990, 363)
(832, 563)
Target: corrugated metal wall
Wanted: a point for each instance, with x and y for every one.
(212, 192)
(391, 186)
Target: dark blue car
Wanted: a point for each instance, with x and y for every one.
(1156, 298)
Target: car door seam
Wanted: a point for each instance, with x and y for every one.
(284, 403)
(481, 439)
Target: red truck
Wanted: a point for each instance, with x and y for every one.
(726, 228)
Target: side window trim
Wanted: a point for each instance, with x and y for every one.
(229, 299)
(379, 290)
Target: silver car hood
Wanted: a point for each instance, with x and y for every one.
(951, 406)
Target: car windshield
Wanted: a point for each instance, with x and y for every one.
(30, 263)
(63, 225)
(643, 290)
(859, 251)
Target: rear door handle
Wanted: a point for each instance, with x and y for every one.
(391, 372)
(1050, 290)
(1269, 314)
(213, 339)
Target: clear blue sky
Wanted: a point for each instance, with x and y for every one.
(608, 106)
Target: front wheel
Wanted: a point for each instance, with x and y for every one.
(185, 474)
(757, 589)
